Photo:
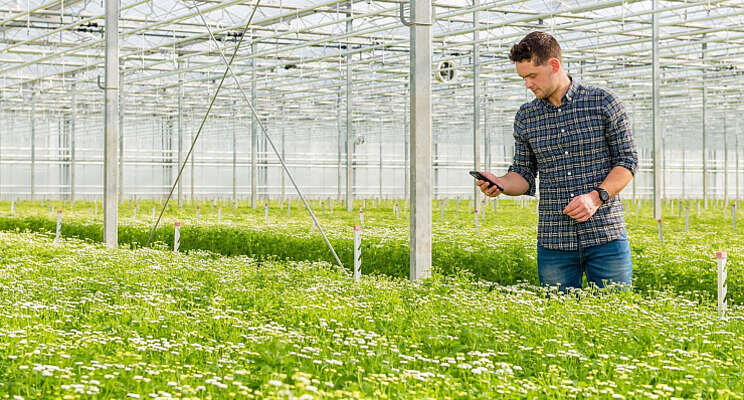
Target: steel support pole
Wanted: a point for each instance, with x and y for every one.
(736, 146)
(121, 133)
(406, 145)
(476, 107)
(705, 147)
(234, 159)
(193, 157)
(254, 133)
(111, 99)
(421, 124)
(32, 121)
(725, 161)
(684, 173)
(635, 134)
(180, 130)
(3, 128)
(380, 162)
(339, 167)
(349, 138)
(73, 116)
(655, 112)
(284, 157)
(486, 136)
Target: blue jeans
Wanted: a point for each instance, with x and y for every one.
(604, 264)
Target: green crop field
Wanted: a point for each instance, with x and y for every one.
(251, 309)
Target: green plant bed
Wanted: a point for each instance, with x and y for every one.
(82, 321)
(502, 251)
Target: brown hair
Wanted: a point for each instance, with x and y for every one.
(536, 46)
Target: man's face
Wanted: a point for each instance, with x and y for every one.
(540, 79)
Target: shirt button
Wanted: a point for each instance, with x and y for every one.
(572, 195)
(563, 130)
(569, 174)
(566, 153)
(559, 110)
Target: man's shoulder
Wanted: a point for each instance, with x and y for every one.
(594, 93)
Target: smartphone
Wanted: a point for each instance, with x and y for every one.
(477, 175)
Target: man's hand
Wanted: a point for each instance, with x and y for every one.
(582, 207)
(491, 191)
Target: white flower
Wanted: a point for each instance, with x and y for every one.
(133, 395)
(275, 382)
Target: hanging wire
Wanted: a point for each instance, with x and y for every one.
(203, 122)
(268, 138)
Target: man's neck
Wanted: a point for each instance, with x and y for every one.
(557, 96)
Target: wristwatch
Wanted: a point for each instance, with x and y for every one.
(603, 195)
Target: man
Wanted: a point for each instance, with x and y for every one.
(578, 139)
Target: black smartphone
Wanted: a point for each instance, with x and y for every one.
(477, 175)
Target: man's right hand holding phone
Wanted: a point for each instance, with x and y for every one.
(488, 189)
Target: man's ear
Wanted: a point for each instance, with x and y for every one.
(555, 64)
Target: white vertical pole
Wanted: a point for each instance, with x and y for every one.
(687, 219)
(421, 139)
(349, 141)
(73, 116)
(722, 287)
(111, 95)
(176, 236)
(476, 105)
(266, 213)
(477, 227)
(254, 135)
(357, 252)
(180, 130)
(361, 216)
(59, 226)
(197, 214)
(661, 232)
(656, 112)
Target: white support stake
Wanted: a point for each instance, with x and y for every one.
(722, 287)
(219, 214)
(59, 226)
(357, 252)
(361, 217)
(96, 211)
(441, 210)
(477, 228)
(12, 207)
(733, 215)
(153, 213)
(176, 235)
(266, 213)
(687, 219)
(135, 212)
(661, 232)
(197, 214)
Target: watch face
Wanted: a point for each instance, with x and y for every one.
(604, 195)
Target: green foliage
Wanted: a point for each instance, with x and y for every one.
(81, 321)
(503, 251)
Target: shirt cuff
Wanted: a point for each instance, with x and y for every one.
(627, 164)
(527, 175)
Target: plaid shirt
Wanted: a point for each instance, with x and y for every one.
(573, 147)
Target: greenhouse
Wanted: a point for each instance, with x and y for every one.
(272, 199)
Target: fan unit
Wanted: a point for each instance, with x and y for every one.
(445, 71)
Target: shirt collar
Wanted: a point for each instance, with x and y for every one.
(567, 97)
